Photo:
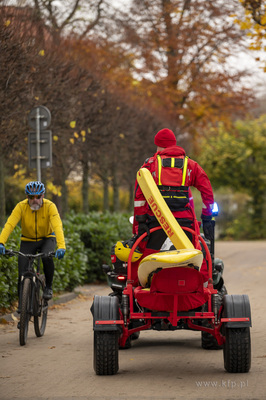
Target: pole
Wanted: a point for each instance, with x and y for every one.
(38, 153)
(213, 241)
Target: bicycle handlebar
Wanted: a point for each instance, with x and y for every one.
(12, 253)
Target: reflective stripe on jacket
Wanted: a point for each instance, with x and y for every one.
(193, 175)
(170, 177)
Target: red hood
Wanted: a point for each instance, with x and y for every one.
(173, 151)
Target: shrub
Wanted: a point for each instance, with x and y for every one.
(89, 239)
(99, 231)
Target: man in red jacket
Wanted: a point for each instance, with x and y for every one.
(173, 173)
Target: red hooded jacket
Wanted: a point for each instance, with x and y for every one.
(195, 176)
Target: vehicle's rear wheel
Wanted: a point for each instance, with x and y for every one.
(237, 350)
(208, 341)
(106, 352)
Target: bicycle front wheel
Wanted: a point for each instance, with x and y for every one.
(25, 311)
(41, 310)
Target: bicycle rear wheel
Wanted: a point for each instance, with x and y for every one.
(25, 311)
(40, 310)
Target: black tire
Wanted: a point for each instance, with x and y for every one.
(40, 310)
(135, 336)
(105, 352)
(237, 350)
(127, 344)
(25, 311)
(208, 341)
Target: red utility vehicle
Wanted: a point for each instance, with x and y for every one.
(174, 298)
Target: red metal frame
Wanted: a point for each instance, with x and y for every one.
(172, 316)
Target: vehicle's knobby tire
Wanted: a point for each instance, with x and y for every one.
(208, 341)
(106, 352)
(135, 335)
(25, 308)
(127, 344)
(40, 311)
(237, 350)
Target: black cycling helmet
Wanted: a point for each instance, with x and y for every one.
(35, 188)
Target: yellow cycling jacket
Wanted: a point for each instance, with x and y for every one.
(35, 225)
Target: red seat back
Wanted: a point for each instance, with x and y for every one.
(177, 280)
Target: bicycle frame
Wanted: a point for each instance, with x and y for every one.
(31, 303)
(33, 274)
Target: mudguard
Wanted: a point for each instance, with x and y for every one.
(105, 308)
(237, 306)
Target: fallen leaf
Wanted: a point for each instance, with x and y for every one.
(3, 321)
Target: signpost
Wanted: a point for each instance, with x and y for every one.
(40, 141)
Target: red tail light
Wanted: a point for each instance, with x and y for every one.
(121, 278)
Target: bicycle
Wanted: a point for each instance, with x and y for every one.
(32, 303)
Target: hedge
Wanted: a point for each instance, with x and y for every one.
(89, 239)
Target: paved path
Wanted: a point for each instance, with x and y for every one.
(160, 365)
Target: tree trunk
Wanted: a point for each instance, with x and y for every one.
(44, 176)
(85, 188)
(64, 198)
(2, 190)
(105, 194)
(258, 222)
(116, 203)
(131, 197)
(61, 202)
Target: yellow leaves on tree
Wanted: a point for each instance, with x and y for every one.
(236, 157)
(254, 22)
(77, 136)
(54, 189)
(83, 135)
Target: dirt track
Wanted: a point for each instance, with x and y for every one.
(160, 365)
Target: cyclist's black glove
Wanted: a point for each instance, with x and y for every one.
(208, 227)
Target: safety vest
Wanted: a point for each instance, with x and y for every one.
(171, 173)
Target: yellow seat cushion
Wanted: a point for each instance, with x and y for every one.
(168, 259)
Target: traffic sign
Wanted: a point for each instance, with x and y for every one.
(41, 115)
(45, 149)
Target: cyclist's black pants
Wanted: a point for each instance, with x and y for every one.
(45, 245)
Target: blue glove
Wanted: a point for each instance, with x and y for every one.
(60, 253)
(2, 249)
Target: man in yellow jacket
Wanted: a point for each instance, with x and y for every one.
(41, 230)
